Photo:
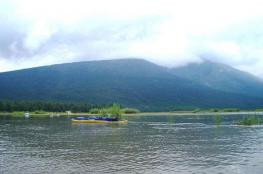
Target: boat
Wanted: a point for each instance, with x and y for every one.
(98, 120)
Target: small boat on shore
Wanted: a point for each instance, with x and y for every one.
(98, 120)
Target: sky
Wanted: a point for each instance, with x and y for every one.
(167, 32)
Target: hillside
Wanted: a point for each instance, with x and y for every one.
(221, 77)
(131, 82)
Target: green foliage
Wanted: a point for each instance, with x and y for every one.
(196, 110)
(231, 110)
(40, 107)
(103, 112)
(18, 114)
(130, 111)
(116, 111)
(40, 112)
(250, 120)
(94, 110)
(214, 110)
(113, 111)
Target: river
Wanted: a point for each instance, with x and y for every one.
(147, 144)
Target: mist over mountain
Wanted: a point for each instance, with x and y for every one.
(221, 77)
(135, 83)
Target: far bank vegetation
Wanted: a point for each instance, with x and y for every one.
(104, 110)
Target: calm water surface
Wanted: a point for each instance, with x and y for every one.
(150, 144)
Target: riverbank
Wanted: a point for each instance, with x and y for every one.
(181, 113)
(47, 114)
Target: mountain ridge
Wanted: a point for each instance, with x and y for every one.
(221, 77)
(130, 82)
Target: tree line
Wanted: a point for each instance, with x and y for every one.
(11, 106)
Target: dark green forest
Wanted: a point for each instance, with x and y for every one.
(11, 106)
(133, 83)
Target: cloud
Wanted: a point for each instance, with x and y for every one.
(168, 32)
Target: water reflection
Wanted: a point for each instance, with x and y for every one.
(150, 144)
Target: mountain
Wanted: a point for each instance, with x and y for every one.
(130, 82)
(221, 77)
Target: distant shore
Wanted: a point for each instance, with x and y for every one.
(180, 113)
(193, 113)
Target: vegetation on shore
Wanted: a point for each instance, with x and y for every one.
(123, 110)
(18, 109)
(218, 110)
(113, 111)
(46, 106)
(214, 110)
(116, 112)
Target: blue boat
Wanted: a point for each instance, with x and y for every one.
(100, 120)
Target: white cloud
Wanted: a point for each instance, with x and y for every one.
(168, 32)
(38, 34)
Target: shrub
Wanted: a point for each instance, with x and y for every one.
(113, 111)
(18, 113)
(130, 111)
(196, 110)
(231, 110)
(94, 110)
(116, 111)
(103, 112)
(39, 112)
(214, 110)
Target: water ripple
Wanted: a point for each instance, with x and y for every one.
(46, 146)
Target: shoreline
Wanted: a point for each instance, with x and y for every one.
(186, 113)
(194, 114)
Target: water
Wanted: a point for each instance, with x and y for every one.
(150, 144)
